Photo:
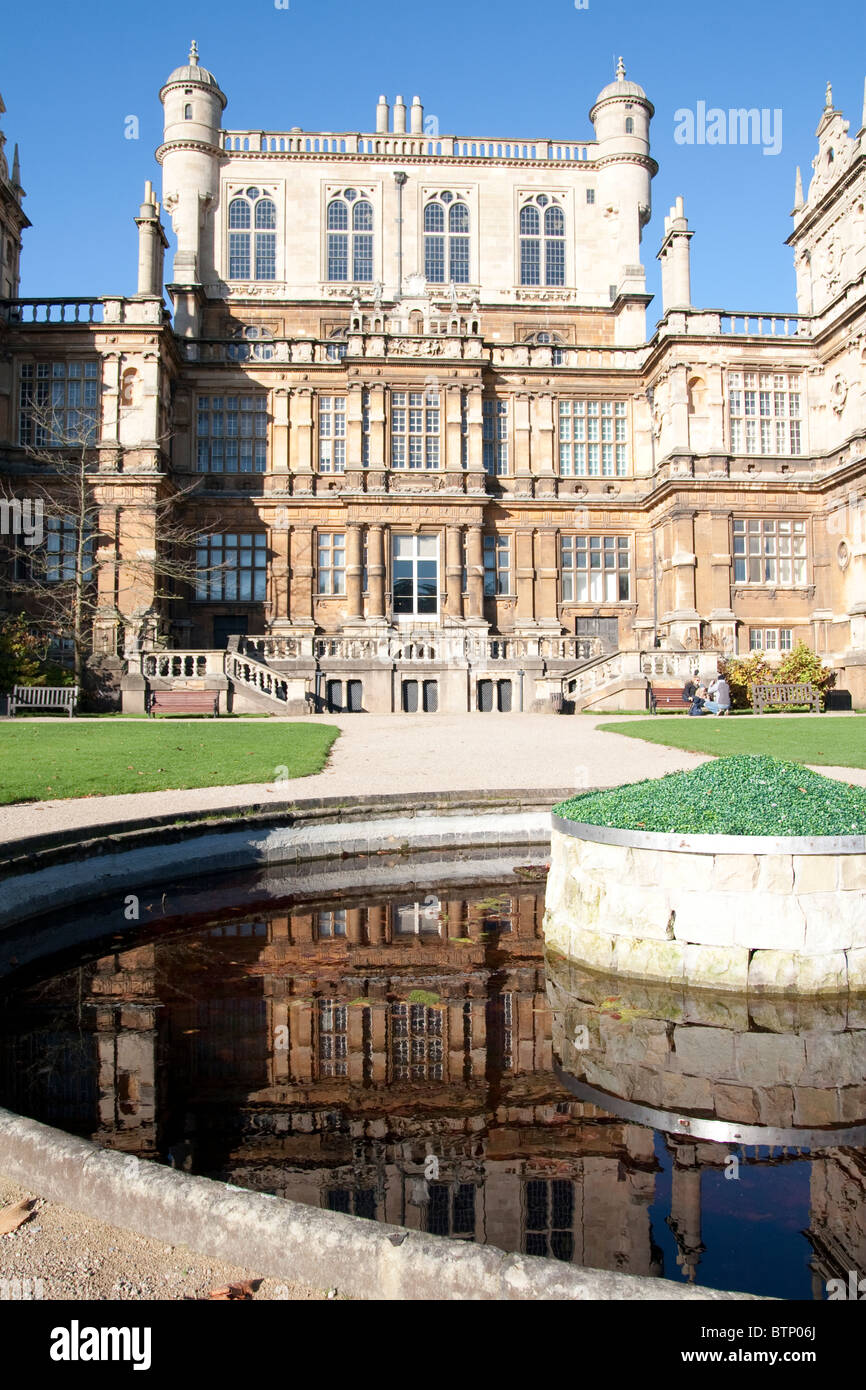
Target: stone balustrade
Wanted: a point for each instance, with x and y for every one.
(426, 146)
(180, 665)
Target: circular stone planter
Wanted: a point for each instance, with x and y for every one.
(763, 914)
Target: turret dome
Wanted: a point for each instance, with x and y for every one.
(194, 72)
(620, 87)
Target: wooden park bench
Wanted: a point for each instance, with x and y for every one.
(62, 697)
(785, 695)
(183, 702)
(665, 697)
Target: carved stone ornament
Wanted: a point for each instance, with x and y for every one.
(838, 393)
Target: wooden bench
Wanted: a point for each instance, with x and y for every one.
(666, 697)
(183, 702)
(63, 697)
(786, 696)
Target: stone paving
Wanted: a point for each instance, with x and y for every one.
(407, 753)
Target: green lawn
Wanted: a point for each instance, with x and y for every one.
(823, 740)
(46, 761)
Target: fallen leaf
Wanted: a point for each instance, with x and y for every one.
(233, 1292)
(13, 1217)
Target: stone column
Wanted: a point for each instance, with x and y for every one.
(452, 431)
(454, 572)
(377, 425)
(474, 573)
(354, 574)
(301, 601)
(278, 579)
(301, 433)
(524, 574)
(543, 428)
(375, 925)
(546, 571)
(376, 571)
(280, 432)
(354, 408)
(521, 465)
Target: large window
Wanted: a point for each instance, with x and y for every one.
(542, 242)
(350, 237)
(416, 1042)
(331, 562)
(550, 1218)
(232, 434)
(415, 426)
(593, 439)
(58, 403)
(232, 568)
(497, 565)
(416, 576)
(769, 551)
(771, 639)
(57, 564)
(446, 240)
(494, 418)
(595, 569)
(333, 1041)
(252, 236)
(332, 434)
(765, 413)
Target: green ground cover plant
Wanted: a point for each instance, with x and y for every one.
(823, 740)
(41, 761)
(742, 795)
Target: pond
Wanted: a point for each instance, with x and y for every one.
(401, 1053)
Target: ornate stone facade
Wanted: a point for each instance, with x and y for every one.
(407, 391)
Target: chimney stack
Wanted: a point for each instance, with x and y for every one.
(675, 258)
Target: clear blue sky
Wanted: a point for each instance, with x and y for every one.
(71, 74)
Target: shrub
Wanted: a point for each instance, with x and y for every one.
(801, 664)
(742, 673)
(797, 667)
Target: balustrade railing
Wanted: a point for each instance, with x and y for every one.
(54, 311)
(254, 675)
(425, 146)
(174, 665)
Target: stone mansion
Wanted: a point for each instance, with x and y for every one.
(405, 400)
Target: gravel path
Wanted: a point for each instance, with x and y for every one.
(392, 754)
(65, 1255)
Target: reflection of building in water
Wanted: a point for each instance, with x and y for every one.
(80, 1052)
(769, 1081)
(410, 1079)
(391, 1059)
(837, 1231)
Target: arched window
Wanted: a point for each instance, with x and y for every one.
(629, 125)
(542, 249)
(187, 111)
(554, 246)
(252, 236)
(530, 246)
(446, 240)
(350, 237)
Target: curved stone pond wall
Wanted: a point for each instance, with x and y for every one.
(733, 912)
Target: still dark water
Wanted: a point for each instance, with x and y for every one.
(405, 1057)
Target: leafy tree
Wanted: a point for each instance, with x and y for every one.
(23, 656)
